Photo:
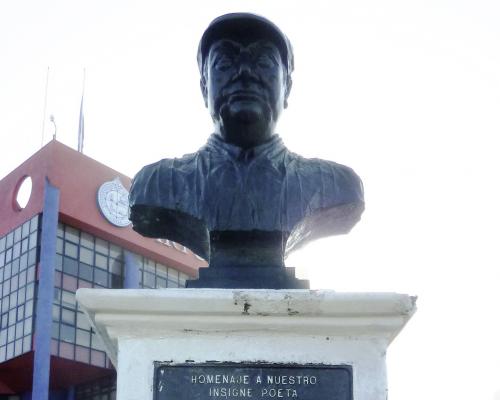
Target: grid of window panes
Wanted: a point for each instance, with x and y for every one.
(102, 389)
(82, 261)
(18, 258)
(156, 275)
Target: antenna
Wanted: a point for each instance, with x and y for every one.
(45, 105)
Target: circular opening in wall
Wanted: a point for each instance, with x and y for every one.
(23, 193)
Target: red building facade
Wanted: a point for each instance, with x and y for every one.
(73, 232)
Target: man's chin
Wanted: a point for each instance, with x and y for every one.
(245, 112)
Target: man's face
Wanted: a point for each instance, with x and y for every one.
(244, 82)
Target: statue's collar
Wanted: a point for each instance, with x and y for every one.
(273, 146)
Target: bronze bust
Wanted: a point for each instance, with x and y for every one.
(243, 200)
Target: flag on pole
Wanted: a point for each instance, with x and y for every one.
(81, 128)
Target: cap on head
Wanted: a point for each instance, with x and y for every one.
(240, 26)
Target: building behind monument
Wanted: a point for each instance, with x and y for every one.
(69, 235)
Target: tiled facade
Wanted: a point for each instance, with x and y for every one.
(18, 258)
(82, 261)
(156, 276)
(102, 389)
(86, 261)
(41, 270)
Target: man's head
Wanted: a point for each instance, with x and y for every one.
(245, 63)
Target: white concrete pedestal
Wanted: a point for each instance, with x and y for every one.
(139, 327)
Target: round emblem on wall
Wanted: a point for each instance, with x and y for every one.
(112, 199)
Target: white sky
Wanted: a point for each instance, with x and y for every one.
(405, 92)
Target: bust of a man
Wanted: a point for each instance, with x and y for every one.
(243, 200)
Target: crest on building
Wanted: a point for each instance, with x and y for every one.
(112, 200)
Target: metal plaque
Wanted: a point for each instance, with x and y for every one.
(259, 381)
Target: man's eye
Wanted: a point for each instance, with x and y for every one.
(223, 63)
(265, 62)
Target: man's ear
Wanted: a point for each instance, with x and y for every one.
(204, 91)
(288, 88)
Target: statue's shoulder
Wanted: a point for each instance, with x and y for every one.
(339, 171)
(154, 179)
(165, 166)
(327, 168)
(331, 198)
(338, 183)
(162, 204)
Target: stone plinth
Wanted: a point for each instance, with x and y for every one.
(314, 327)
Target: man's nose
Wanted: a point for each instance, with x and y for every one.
(245, 68)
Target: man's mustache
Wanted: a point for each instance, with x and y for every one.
(238, 87)
(225, 99)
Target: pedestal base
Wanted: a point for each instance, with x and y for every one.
(286, 327)
(248, 278)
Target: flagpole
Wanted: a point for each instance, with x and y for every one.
(81, 120)
(45, 105)
(83, 83)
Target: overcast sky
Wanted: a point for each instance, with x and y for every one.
(407, 93)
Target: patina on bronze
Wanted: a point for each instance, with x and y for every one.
(257, 381)
(243, 201)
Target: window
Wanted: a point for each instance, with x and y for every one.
(82, 260)
(102, 389)
(18, 257)
(156, 275)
